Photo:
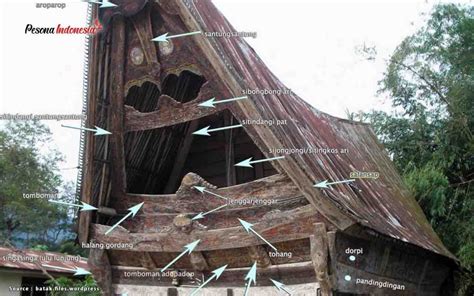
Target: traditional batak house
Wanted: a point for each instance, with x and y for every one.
(364, 236)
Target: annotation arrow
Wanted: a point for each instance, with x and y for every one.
(98, 131)
(188, 249)
(201, 215)
(248, 162)
(281, 287)
(210, 103)
(84, 206)
(205, 131)
(104, 4)
(326, 184)
(165, 37)
(251, 277)
(132, 212)
(203, 189)
(248, 227)
(77, 271)
(216, 274)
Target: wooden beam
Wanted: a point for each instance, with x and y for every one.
(169, 112)
(116, 115)
(229, 150)
(147, 261)
(290, 274)
(332, 256)
(99, 265)
(319, 256)
(286, 226)
(259, 254)
(422, 277)
(385, 259)
(181, 157)
(198, 261)
(276, 187)
(258, 167)
(143, 30)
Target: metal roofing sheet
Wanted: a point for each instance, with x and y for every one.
(385, 204)
(31, 260)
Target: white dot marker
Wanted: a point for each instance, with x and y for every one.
(352, 258)
(347, 278)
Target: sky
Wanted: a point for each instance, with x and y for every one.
(310, 45)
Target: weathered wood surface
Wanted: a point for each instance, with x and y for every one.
(259, 254)
(198, 262)
(290, 225)
(99, 265)
(181, 157)
(277, 187)
(383, 260)
(319, 257)
(138, 42)
(268, 139)
(146, 260)
(355, 274)
(116, 115)
(289, 274)
(225, 217)
(169, 112)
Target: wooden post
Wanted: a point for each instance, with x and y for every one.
(181, 157)
(116, 109)
(259, 254)
(99, 264)
(319, 256)
(229, 151)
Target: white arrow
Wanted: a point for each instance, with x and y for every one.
(201, 215)
(281, 287)
(188, 249)
(203, 189)
(216, 274)
(84, 206)
(77, 271)
(248, 227)
(98, 131)
(326, 184)
(165, 37)
(132, 212)
(104, 3)
(205, 131)
(251, 277)
(210, 103)
(248, 162)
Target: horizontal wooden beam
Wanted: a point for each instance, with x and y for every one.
(169, 112)
(280, 227)
(276, 187)
(290, 274)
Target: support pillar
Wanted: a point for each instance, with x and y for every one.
(319, 256)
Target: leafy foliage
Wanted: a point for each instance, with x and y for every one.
(430, 80)
(28, 166)
(86, 287)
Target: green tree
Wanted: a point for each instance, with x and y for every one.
(29, 166)
(430, 81)
(85, 287)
